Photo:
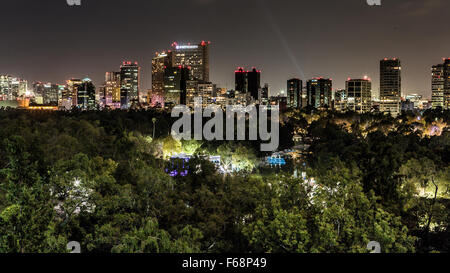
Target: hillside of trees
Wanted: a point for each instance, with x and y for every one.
(100, 178)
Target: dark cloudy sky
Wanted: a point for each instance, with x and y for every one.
(47, 40)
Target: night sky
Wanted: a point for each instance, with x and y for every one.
(46, 40)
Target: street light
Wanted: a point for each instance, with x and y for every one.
(154, 123)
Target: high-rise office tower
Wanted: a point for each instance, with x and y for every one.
(359, 95)
(248, 82)
(86, 95)
(240, 80)
(205, 90)
(254, 82)
(129, 84)
(447, 83)
(160, 62)
(111, 90)
(175, 85)
(50, 94)
(319, 93)
(41, 91)
(437, 86)
(72, 92)
(264, 95)
(62, 90)
(340, 95)
(5, 87)
(390, 79)
(194, 56)
(294, 93)
(340, 100)
(191, 92)
(440, 90)
(18, 87)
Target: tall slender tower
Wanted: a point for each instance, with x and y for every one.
(294, 93)
(447, 83)
(437, 86)
(390, 79)
(129, 86)
(160, 62)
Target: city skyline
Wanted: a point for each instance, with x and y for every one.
(44, 53)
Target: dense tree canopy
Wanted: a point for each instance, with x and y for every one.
(100, 178)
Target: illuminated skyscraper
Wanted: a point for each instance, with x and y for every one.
(294, 93)
(359, 95)
(437, 86)
(194, 56)
(390, 79)
(319, 93)
(440, 90)
(160, 62)
(86, 95)
(129, 84)
(447, 83)
(175, 85)
(111, 90)
(5, 87)
(70, 98)
(50, 95)
(18, 87)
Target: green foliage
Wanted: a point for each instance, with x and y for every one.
(99, 178)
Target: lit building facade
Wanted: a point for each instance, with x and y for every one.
(340, 100)
(129, 84)
(390, 79)
(160, 62)
(110, 94)
(86, 95)
(437, 86)
(175, 85)
(440, 85)
(319, 93)
(263, 97)
(359, 95)
(70, 98)
(196, 57)
(19, 87)
(5, 87)
(294, 93)
(447, 83)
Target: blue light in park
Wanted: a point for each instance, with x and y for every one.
(178, 166)
(279, 161)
